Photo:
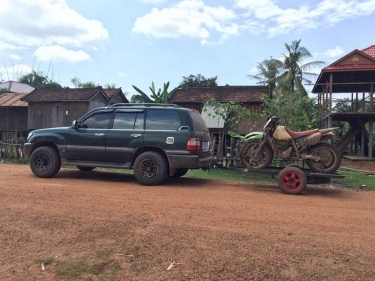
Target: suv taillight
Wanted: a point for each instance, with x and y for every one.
(193, 144)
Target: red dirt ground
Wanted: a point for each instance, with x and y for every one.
(105, 226)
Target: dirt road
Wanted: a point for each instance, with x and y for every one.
(105, 226)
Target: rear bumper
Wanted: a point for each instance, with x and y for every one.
(189, 161)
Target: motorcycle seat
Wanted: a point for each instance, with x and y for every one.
(296, 135)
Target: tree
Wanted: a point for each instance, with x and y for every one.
(78, 84)
(39, 81)
(156, 97)
(294, 72)
(269, 71)
(197, 81)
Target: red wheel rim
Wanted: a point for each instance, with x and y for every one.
(292, 181)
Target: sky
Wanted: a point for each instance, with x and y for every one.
(137, 42)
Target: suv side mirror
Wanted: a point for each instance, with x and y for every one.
(74, 124)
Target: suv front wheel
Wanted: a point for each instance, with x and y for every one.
(45, 162)
(150, 168)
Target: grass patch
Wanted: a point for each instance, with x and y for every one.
(100, 266)
(356, 179)
(232, 175)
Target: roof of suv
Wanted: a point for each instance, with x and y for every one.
(125, 105)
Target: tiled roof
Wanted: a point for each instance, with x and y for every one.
(351, 67)
(370, 51)
(220, 93)
(12, 99)
(16, 87)
(64, 94)
(111, 92)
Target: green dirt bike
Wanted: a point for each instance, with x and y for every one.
(261, 147)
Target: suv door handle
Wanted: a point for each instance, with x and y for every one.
(99, 134)
(136, 135)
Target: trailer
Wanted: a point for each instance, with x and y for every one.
(293, 178)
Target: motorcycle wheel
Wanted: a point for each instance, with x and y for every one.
(261, 161)
(330, 158)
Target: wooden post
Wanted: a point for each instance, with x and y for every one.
(363, 102)
(372, 98)
(330, 92)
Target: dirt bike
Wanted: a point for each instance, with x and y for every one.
(261, 147)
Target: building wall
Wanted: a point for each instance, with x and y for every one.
(13, 118)
(55, 114)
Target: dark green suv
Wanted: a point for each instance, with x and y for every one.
(156, 140)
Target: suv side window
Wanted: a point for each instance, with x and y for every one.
(157, 119)
(128, 121)
(100, 120)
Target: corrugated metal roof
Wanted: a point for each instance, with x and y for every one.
(213, 121)
(12, 99)
(16, 87)
(220, 93)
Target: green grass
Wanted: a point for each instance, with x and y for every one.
(232, 175)
(356, 179)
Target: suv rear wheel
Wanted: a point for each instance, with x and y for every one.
(150, 168)
(45, 162)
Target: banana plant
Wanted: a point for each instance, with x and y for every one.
(155, 97)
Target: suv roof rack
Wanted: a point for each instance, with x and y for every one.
(143, 104)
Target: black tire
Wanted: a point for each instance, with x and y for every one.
(330, 158)
(292, 180)
(180, 173)
(45, 162)
(150, 168)
(263, 160)
(85, 169)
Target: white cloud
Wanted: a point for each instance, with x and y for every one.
(14, 72)
(188, 18)
(37, 22)
(337, 51)
(278, 21)
(154, 2)
(59, 53)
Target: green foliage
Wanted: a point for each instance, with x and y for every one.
(155, 97)
(231, 112)
(197, 81)
(2, 91)
(297, 112)
(39, 81)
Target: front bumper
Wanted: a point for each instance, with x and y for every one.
(27, 148)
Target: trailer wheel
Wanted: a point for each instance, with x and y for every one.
(292, 180)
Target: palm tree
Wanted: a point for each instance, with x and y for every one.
(294, 71)
(268, 73)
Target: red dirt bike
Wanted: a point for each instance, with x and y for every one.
(260, 148)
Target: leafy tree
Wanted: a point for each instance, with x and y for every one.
(78, 84)
(39, 81)
(197, 81)
(156, 97)
(294, 72)
(269, 71)
(2, 91)
(296, 112)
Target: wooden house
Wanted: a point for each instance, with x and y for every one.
(13, 115)
(115, 96)
(59, 107)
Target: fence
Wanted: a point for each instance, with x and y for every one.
(12, 151)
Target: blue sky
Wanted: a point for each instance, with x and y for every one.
(136, 42)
